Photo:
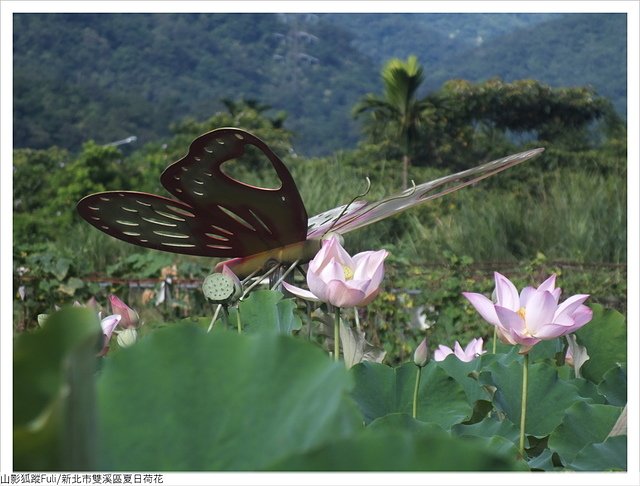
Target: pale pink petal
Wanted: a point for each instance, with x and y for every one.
(581, 317)
(370, 265)
(525, 295)
(506, 293)
(108, 324)
(570, 305)
(340, 295)
(504, 335)
(335, 250)
(298, 292)
(564, 320)
(553, 330)
(556, 294)
(510, 321)
(540, 311)
(318, 282)
(474, 348)
(442, 352)
(549, 284)
(316, 285)
(331, 250)
(375, 279)
(522, 338)
(369, 296)
(317, 263)
(459, 352)
(484, 306)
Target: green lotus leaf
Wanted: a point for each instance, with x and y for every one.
(583, 424)
(381, 390)
(183, 400)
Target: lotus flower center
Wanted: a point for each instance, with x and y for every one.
(348, 273)
(522, 313)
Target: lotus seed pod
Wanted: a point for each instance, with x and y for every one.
(219, 288)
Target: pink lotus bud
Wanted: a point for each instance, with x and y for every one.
(421, 354)
(130, 318)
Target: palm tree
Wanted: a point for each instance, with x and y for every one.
(398, 107)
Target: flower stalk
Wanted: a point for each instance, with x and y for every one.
(336, 334)
(523, 410)
(415, 392)
(238, 320)
(495, 338)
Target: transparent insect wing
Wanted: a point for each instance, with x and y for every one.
(367, 213)
(322, 223)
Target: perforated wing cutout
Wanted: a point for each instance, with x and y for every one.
(216, 215)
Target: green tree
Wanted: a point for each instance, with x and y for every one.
(399, 109)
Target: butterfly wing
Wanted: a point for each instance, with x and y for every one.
(216, 215)
(364, 214)
(157, 222)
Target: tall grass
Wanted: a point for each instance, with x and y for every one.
(578, 216)
(573, 215)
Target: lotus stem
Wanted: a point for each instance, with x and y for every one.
(415, 393)
(523, 410)
(495, 336)
(238, 320)
(336, 335)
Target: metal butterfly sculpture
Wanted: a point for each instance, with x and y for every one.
(217, 216)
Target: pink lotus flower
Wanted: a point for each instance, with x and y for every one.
(338, 279)
(471, 352)
(532, 316)
(130, 317)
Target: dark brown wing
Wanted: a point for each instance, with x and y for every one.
(216, 215)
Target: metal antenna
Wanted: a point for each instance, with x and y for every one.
(215, 316)
(350, 203)
(284, 275)
(250, 276)
(412, 191)
(260, 279)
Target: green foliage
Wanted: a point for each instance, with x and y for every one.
(552, 394)
(182, 399)
(53, 394)
(225, 402)
(388, 450)
(610, 455)
(606, 342)
(552, 52)
(264, 311)
(583, 424)
(74, 73)
(381, 390)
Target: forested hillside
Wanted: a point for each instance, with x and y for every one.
(434, 38)
(109, 76)
(577, 49)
